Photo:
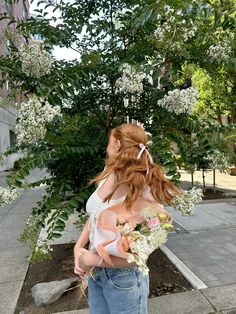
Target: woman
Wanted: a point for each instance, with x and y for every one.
(129, 182)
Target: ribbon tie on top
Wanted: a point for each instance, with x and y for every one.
(142, 149)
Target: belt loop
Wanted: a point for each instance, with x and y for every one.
(105, 272)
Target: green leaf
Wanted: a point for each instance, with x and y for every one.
(60, 223)
(58, 228)
(55, 235)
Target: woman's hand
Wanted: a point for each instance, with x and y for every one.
(85, 261)
(78, 269)
(88, 259)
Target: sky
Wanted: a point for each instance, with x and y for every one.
(59, 53)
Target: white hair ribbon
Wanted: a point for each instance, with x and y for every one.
(142, 149)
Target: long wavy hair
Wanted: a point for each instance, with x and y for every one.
(136, 174)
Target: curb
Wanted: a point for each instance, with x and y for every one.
(187, 273)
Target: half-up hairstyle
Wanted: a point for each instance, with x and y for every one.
(136, 174)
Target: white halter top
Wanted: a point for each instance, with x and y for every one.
(94, 206)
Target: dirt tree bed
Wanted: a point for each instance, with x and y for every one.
(164, 279)
(209, 194)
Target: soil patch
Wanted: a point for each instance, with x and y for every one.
(164, 279)
(209, 194)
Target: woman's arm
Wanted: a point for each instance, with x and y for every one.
(88, 259)
(84, 236)
(79, 248)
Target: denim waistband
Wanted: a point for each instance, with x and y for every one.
(99, 271)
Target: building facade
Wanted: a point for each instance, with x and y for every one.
(8, 114)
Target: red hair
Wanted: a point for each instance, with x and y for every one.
(136, 174)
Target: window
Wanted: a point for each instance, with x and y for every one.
(12, 139)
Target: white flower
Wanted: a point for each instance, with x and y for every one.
(179, 12)
(173, 29)
(186, 203)
(131, 80)
(157, 237)
(143, 246)
(142, 266)
(131, 258)
(42, 247)
(220, 52)
(34, 114)
(168, 9)
(218, 160)
(36, 61)
(7, 196)
(179, 101)
(117, 22)
(148, 212)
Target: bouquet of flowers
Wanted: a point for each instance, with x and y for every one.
(132, 237)
(141, 239)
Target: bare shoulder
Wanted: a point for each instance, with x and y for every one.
(106, 188)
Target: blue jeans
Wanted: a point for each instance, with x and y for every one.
(118, 291)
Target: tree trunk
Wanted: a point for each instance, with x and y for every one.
(192, 172)
(214, 180)
(203, 179)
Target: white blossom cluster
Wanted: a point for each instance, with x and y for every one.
(36, 61)
(7, 196)
(131, 80)
(34, 114)
(42, 247)
(158, 237)
(218, 160)
(179, 100)
(174, 29)
(220, 52)
(144, 246)
(186, 202)
(150, 235)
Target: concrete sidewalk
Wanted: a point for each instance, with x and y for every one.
(13, 254)
(205, 244)
(207, 301)
(208, 245)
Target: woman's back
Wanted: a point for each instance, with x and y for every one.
(133, 182)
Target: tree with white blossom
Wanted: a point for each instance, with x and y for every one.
(131, 59)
